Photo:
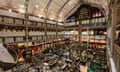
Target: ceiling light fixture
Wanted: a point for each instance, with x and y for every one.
(60, 15)
(10, 10)
(36, 6)
(22, 6)
(51, 18)
(60, 20)
(21, 11)
(40, 15)
(72, 31)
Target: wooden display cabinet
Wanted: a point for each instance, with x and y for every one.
(9, 40)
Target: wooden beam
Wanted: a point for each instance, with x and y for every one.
(26, 19)
(47, 6)
(45, 19)
(72, 9)
(63, 6)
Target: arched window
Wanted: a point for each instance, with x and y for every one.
(83, 13)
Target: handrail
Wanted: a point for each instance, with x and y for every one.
(22, 20)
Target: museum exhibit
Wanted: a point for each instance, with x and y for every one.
(59, 36)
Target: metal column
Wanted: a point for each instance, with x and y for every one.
(26, 21)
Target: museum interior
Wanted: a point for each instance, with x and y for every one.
(59, 35)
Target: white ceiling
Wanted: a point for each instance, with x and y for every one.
(37, 7)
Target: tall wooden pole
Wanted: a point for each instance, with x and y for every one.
(26, 22)
(79, 31)
(45, 25)
(56, 26)
(45, 20)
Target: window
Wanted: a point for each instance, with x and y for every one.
(83, 13)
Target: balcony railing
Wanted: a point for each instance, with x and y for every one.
(11, 21)
(96, 25)
(94, 37)
(19, 39)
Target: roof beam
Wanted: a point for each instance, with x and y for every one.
(62, 7)
(76, 6)
(58, 16)
(47, 6)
